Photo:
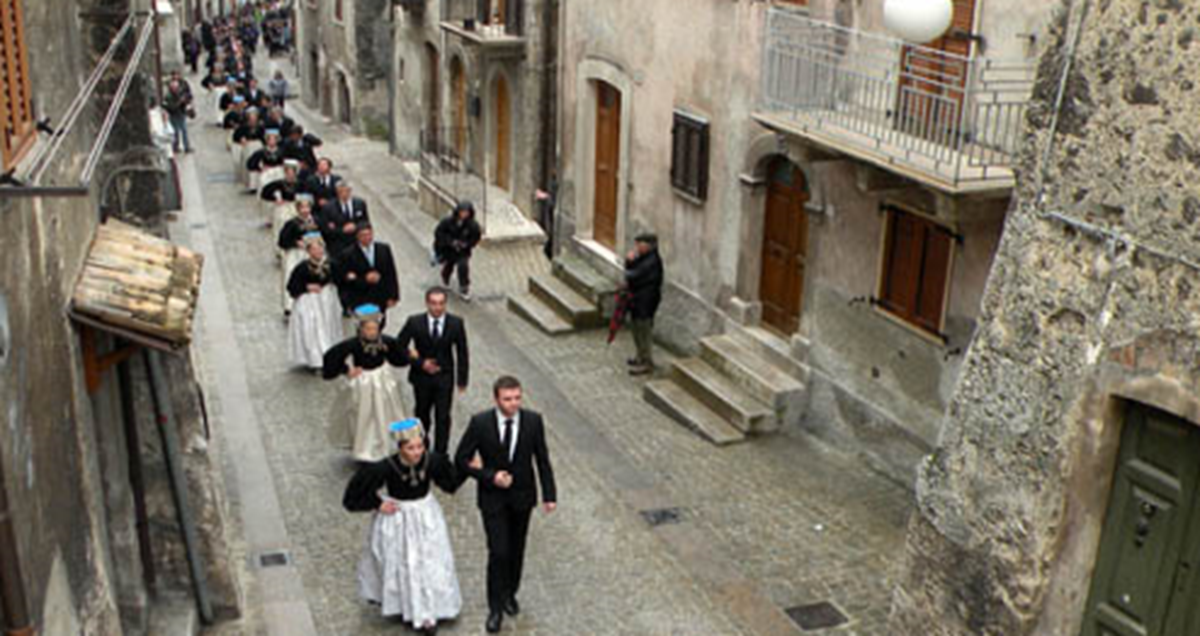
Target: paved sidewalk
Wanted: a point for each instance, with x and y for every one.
(764, 526)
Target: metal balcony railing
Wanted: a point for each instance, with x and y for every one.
(486, 18)
(953, 120)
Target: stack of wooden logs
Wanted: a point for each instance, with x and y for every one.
(140, 282)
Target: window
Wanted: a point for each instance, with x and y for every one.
(689, 155)
(15, 100)
(916, 269)
(337, 10)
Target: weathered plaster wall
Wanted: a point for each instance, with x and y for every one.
(1074, 323)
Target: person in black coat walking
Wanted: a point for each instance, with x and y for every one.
(340, 218)
(643, 281)
(510, 441)
(367, 273)
(455, 238)
(437, 341)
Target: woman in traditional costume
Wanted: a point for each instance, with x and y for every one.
(291, 244)
(371, 398)
(407, 567)
(316, 322)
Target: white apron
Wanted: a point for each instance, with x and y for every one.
(315, 326)
(288, 260)
(241, 153)
(408, 564)
(363, 411)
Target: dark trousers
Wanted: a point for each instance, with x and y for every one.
(463, 264)
(434, 399)
(506, 530)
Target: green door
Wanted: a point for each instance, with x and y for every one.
(1145, 583)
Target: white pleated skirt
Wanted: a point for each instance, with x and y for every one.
(363, 411)
(315, 326)
(408, 564)
(288, 260)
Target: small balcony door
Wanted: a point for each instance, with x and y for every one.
(933, 80)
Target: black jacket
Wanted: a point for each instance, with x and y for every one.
(450, 351)
(333, 220)
(314, 186)
(644, 277)
(483, 436)
(453, 240)
(352, 276)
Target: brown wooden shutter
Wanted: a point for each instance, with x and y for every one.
(934, 272)
(689, 155)
(15, 99)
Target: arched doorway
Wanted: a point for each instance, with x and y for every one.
(344, 99)
(607, 164)
(432, 103)
(503, 133)
(458, 85)
(784, 247)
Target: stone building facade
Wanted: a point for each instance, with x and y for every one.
(96, 546)
(1062, 497)
(476, 82)
(344, 54)
(817, 159)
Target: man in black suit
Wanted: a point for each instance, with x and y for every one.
(510, 441)
(441, 360)
(367, 272)
(340, 218)
(321, 182)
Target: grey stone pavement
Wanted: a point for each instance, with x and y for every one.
(771, 524)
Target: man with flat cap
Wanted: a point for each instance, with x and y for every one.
(643, 281)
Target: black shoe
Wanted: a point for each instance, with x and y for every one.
(429, 631)
(641, 369)
(634, 362)
(512, 608)
(494, 621)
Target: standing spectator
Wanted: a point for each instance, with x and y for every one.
(643, 281)
(178, 104)
(453, 240)
(279, 89)
(191, 51)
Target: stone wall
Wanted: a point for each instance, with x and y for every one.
(1091, 305)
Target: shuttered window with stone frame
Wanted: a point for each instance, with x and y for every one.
(689, 155)
(338, 10)
(16, 102)
(915, 276)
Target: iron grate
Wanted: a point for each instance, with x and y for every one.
(823, 615)
(662, 516)
(274, 559)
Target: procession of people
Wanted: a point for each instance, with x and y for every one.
(337, 285)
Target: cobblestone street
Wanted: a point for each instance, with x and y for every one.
(762, 527)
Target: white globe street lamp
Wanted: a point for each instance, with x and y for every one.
(918, 21)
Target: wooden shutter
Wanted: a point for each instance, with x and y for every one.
(916, 269)
(337, 9)
(15, 100)
(689, 155)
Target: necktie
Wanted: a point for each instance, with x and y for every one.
(346, 210)
(507, 441)
(437, 329)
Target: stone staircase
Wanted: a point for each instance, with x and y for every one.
(737, 386)
(572, 297)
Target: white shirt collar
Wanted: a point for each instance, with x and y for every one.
(516, 420)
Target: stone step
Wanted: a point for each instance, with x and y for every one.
(753, 373)
(583, 278)
(679, 405)
(530, 308)
(774, 349)
(577, 310)
(722, 395)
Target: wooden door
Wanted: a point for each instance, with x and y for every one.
(458, 80)
(432, 97)
(608, 157)
(935, 75)
(1145, 578)
(503, 133)
(785, 248)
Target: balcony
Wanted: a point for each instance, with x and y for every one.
(497, 26)
(944, 120)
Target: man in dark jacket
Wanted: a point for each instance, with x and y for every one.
(643, 281)
(454, 239)
(441, 362)
(367, 272)
(177, 101)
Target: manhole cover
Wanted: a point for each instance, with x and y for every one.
(220, 177)
(274, 559)
(816, 616)
(662, 516)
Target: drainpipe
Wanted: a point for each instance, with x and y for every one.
(549, 63)
(12, 586)
(165, 415)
